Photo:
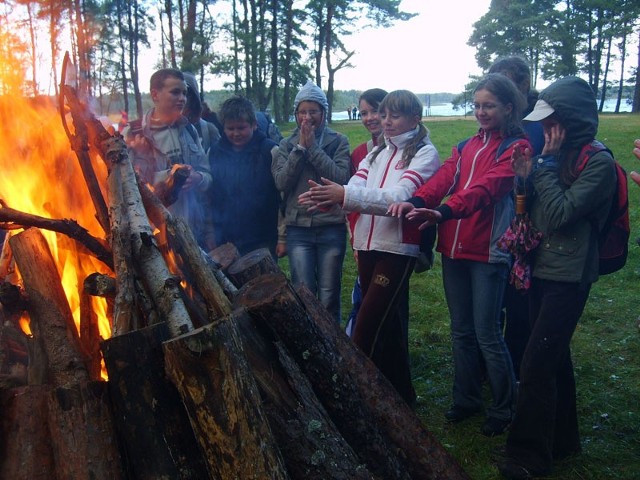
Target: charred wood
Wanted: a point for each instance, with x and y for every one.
(100, 285)
(14, 219)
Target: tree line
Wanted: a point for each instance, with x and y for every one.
(588, 38)
(268, 48)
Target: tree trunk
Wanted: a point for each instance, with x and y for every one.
(210, 370)
(150, 417)
(374, 419)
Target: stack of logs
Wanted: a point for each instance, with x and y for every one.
(236, 376)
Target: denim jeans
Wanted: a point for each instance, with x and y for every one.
(474, 293)
(315, 258)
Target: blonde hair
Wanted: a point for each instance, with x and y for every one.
(403, 102)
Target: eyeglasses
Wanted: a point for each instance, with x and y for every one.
(485, 106)
(311, 113)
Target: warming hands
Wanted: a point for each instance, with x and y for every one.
(521, 161)
(426, 216)
(194, 179)
(322, 196)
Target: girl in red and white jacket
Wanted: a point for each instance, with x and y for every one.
(387, 247)
(478, 182)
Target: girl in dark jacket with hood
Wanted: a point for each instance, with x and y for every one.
(569, 207)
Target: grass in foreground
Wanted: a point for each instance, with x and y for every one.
(606, 345)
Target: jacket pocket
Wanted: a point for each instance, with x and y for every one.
(561, 244)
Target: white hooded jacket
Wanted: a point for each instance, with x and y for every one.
(376, 185)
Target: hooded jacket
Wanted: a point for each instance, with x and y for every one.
(293, 166)
(480, 205)
(567, 214)
(386, 180)
(244, 198)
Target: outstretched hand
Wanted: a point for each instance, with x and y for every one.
(399, 209)
(521, 161)
(407, 210)
(427, 216)
(322, 196)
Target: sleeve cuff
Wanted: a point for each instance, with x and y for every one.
(445, 211)
(544, 161)
(416, 202)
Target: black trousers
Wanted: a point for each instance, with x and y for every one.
(546, 422)
(381, 329)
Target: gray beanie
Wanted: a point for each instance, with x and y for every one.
(311, 93)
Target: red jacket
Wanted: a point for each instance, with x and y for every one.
(480, 206)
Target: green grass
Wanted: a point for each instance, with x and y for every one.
(606, 345)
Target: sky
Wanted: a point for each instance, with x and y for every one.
(427, 54)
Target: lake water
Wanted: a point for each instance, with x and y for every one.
(446, 110)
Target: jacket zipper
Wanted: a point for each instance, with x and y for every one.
(454, 249)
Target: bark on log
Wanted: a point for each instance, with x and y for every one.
(125, 314)
(253, 264)
(425, 456)
(26, 452)
(162, 286)
(150, 417)
(363, 404)
(82, 433)
(183, 243)
(51, 320)
(210, 370)
(311, 445)
(271, 299)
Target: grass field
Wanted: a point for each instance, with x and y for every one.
(606, 345)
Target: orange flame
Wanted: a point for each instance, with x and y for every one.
(41, 175)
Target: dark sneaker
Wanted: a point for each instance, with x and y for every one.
(456, 414)
(494, 426)
(513, 470)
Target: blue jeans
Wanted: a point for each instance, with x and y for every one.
(315, 258)
(474, 292)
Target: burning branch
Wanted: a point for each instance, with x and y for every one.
(11, 219)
